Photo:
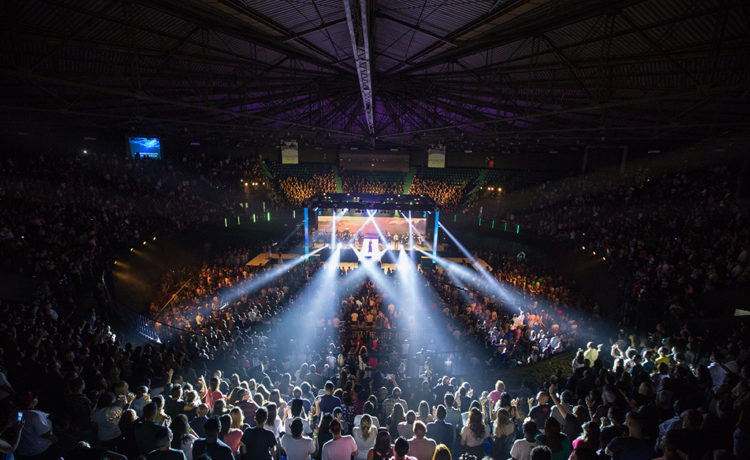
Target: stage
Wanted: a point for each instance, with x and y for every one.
(349, 260)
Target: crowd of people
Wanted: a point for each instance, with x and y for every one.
(367, 369)
(362, 184)
(296, 189)
(448, 196)
(675, 235)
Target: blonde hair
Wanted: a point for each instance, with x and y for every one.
(237, 418)
(365, 425)
(500, 386)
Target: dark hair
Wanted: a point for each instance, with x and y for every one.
(475, 424)
(369, 408)
(296, 427)
(106, 399)
(162, 436)
(180, 429)
(441, 412)
(591, 433)
(585, 453)
(212, 427)
(383, 443)
(226, 423)
(401, 446)
(505, 399)
(552, 436)
(541, 453)
(261, 415)
(149, 410)
(530, 430)
(335, 427)
(297, 407)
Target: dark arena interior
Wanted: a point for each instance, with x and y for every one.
(375, 229)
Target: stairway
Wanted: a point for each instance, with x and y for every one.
(408, 179)
(337, 179)
(266, 171)
(477, 182)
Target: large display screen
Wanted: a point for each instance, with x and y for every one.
(145, 147)
(388, 225)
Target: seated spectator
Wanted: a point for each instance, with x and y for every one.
(421, 447)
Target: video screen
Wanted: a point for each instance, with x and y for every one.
(145, 147)
(388, 225)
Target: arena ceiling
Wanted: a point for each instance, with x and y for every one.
(424, 71)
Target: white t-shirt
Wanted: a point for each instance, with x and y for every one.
(521, 449)
(305, 426)
(364, 446)
(339, 449)
(32, 443)
(297, 449)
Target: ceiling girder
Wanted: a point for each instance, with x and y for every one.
(357, 18)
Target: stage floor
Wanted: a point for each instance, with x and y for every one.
(263, 259)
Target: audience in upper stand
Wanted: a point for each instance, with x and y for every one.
(361, 184)
(448, 196)
(297, 190)
(675, 235)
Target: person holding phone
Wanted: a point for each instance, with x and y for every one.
(6, 447)
(36, 436)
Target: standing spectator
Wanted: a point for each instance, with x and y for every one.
(400, 449)
(522, 448)
(183, 438)
(328, 402)
(558, 443)
(145, 430)
(37, 436)
(164, 451)
(340, 447)
(107, 419)
(474, 434)
(441, 431)
(364, 435)
(257, 442)
(211, 445)
(633, 446)
(382, 449)
(541, 411)
(295, 445)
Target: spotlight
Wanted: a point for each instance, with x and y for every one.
(144, 243)
(154, 238)
(593, 252)
(132, 249)
(604, 258)
(85, 151)
(583, 248)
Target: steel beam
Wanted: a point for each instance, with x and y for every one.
(358, 21)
